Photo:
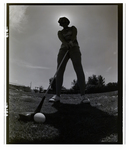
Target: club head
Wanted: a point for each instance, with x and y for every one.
(27, 116)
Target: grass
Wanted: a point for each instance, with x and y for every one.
(68, 122)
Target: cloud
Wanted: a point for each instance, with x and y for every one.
(27, 65)
(17, 17)
(108, 69)
(36, 67)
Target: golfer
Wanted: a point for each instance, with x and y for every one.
(68, 37)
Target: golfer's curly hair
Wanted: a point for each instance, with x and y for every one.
(64, 20)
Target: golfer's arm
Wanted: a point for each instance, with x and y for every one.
(61, 38)
(74, 33)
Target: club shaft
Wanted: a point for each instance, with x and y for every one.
(41, 103)
(55, 74)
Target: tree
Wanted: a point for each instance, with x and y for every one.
(40, 89)
(95, 84)
(89, 80)
(53, 85)
(101, 81)
(75, 86)
(73, 82)
(93, 80)
(112, 86)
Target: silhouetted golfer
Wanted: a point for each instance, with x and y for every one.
(68, 37)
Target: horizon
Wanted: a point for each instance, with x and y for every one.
(33, 87)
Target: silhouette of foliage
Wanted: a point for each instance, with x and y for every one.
(75, 86)
(53, 85)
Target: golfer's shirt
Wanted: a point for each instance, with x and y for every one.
(67, 36)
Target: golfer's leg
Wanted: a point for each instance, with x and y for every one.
(76, 60)
(60, 74)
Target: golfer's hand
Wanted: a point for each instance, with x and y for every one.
(70, 44)
(67, 45)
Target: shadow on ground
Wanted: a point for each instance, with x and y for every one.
(81, 124)
(76, 124)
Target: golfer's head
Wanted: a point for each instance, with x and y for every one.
(63, 21)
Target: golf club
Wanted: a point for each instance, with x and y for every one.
(27, 116)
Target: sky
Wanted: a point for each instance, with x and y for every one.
(34, 45)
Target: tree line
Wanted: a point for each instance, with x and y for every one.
(94, 84)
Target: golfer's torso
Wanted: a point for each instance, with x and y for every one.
(67, 35)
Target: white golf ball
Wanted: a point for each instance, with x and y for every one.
(39, 118)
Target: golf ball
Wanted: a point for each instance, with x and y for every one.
(39, 118)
